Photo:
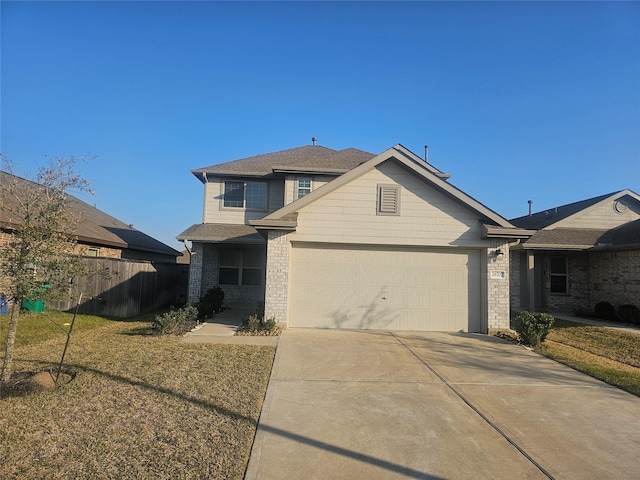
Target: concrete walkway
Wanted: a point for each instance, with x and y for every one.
(372, 404)
(222, 329)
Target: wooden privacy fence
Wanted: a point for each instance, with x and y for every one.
(126, 288)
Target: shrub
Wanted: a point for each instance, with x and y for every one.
(176, 321)
(533, 328)
(255, 323)
(211, 303)
(629, 314)
(605, 311)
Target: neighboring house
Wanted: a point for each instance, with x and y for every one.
(348, 239)
(142, 272)
(98, 233)
(580, 254)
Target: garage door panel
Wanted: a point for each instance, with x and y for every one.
(349, 287)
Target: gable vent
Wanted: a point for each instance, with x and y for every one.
(388, 200)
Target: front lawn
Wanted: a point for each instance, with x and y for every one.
(609, 355)
(141, 406)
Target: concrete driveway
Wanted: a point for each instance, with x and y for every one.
(372, 404)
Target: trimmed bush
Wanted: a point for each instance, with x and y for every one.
(533, 328)
(605, 311)
(176, 321)
(211, 303)
(255, 323)
(629, 314)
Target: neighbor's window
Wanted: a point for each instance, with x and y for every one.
(241, 267)
(249, 195)
(92, 252)
(559, 275)
(304, 187)
(388, 200)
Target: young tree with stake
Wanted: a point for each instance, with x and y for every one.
(39, 259)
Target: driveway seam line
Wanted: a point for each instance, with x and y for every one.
(476, 410)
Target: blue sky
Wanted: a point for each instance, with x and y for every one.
(516, 100)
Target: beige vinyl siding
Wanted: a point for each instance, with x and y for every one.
(602, 215)
(214, 212)
(341, 286)
(426, 217)
(291, 184)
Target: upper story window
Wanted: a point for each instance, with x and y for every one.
(304, 187)
(559, 273)
(249, 195)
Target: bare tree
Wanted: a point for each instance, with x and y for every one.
(38, 261)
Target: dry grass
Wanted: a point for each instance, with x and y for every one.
(609, 355)
(616, 345)
(141, 406)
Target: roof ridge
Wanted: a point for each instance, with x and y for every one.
(330, 150)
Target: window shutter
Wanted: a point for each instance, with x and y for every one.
(388, 199)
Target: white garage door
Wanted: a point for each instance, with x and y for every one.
(380, 288)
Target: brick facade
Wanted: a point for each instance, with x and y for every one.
(593, 277)
(278, 250)
(615, 277)
(204, 275)
(498, 286)
(195, 272)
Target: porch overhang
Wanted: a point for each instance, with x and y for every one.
(222, 233)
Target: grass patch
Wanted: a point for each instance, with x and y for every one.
(38, 327)
(616, 345)
(609, 355)
(141, 406)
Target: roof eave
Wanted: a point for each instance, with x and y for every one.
(288, 225)
(492, 231)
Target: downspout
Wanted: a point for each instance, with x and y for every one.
(187, 246)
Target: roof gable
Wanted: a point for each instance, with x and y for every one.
(407, 159)
(310, 158)
(569, 215)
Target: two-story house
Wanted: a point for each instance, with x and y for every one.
(349, 239)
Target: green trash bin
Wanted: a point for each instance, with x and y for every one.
(36, 306)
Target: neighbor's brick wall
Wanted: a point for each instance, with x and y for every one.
(615, 278)
(4, 241)
(278, 249)
(498, 288)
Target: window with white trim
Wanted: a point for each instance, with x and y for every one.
(241, 267)
(249, 195)
(559, 275)
(92, 252)
(388, 202)
(304, 187)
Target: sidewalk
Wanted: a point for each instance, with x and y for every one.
(222, 329)
(624, 327)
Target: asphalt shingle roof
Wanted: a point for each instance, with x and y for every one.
(95, 226)
(565, 238)
(220, 233)
(548, 217)
(307, 158)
